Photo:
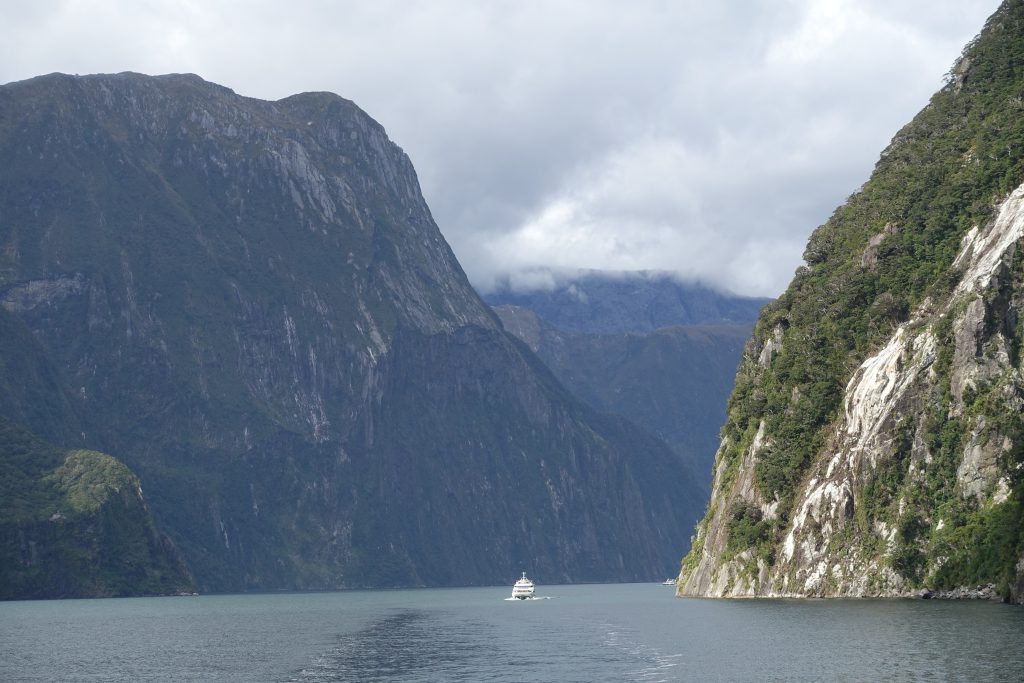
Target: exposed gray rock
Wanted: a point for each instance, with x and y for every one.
(981, 467)
(869, 259)
(886, 391)
(771, 346)
(893, 409)
(255, 310)
(985, 592)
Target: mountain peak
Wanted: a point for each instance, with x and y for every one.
(250, 304)
(874, 444)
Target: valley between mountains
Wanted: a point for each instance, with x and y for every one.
(237, 354)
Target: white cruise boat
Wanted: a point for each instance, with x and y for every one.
(523, 589)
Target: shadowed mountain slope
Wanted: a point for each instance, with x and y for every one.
(674, 381)
(249, 303)
(642, 301)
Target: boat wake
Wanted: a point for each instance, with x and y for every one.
(533, 597)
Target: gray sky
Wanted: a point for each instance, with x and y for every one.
(704, 138)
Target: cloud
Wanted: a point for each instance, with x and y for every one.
(708, 139)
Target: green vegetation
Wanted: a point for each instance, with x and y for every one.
(88, 479)
(692, 558)
(980, 543)
(291, 364)
(880, 493)
(25, 460)
(945, 539)
(72, 524)
(673, 382)
(748, 529)
(939, 177)
(983, 548)
(885, 253)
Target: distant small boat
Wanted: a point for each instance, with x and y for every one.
(523, 588)
(668, 582)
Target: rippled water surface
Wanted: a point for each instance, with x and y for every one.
(632, 632)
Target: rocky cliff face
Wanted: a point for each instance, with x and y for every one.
(250, 304)
(673, 381)
(875, 444)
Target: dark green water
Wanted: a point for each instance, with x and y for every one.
(632, 632)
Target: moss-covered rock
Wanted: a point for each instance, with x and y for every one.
(74, 524)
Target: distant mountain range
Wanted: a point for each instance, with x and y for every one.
(248, 304)
(641, 301)
(598, 333)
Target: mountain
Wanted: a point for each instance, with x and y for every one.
(874, 444)
(74, 524)
(644, 301)
(249, 304)
(673, 381)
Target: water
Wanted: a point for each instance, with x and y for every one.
(631, 632)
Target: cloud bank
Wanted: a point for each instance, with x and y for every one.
(705, 139)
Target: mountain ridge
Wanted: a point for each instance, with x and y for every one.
(631, 301)
(874, 442)
(250, 303)
(672, 381)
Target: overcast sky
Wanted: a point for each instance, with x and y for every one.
(704, 138)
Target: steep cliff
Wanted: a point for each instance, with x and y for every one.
(673, 381)
(249, 303)
(875, 440)
(74, 524)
